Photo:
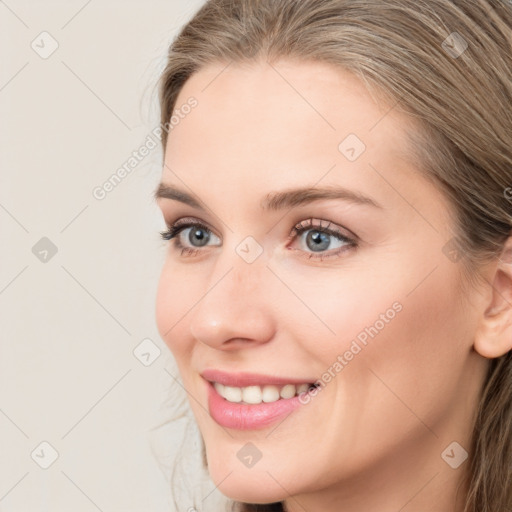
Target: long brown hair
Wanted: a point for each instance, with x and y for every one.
(449, 65)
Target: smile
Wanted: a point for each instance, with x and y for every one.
(252, 395)
(247, 409)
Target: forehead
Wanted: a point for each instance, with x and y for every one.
(264, 126)
(264, 97)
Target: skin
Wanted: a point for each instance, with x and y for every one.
(372, 438)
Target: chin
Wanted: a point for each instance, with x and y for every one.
(249, 485)
(251, 492)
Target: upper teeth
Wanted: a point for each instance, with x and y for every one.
(258, 394)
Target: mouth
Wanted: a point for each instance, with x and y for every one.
(246, 401)
(254, 388)
(257, 394)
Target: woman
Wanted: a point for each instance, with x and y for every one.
(337, 292)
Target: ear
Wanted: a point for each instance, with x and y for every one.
(493, 337)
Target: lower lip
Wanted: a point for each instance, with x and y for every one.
(248, 417)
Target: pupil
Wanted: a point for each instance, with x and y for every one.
(200, 235)
(316, 237)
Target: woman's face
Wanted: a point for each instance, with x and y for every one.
(365, 299)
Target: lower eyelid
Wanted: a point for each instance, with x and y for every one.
(333, 253)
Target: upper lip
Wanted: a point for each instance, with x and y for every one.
(242, 379)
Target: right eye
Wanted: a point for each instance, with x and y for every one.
(189, 230)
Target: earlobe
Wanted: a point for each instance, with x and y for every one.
(493, 337)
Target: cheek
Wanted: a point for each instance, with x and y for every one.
(173, 299)
(431, 337)
(164, 304)
(393, 332)
(417, 361)
(331, 311)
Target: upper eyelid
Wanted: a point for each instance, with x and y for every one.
(306, 224)
(169, 212)
(327, 225)
(187, 222)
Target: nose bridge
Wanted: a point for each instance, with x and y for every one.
(234, 303)
(235, 279)
(242, 265)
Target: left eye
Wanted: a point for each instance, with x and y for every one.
(318, 239)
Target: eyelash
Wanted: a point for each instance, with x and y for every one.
(308, 225)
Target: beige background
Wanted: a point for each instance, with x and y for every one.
(70, 321)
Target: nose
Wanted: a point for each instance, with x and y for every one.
(234, 310)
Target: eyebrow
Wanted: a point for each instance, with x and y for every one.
(275, 201)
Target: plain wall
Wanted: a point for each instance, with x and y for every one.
(70, 321)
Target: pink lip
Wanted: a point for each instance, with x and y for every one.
(248, 417)
(241, 380)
